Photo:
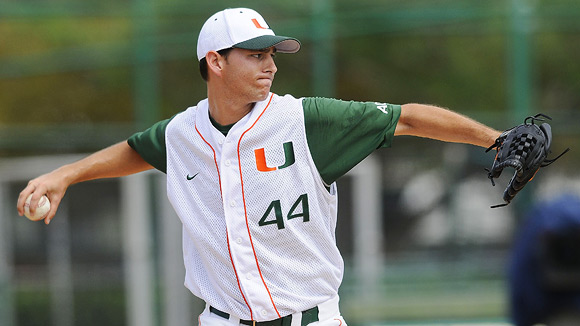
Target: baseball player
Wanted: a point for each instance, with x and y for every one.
(252, 174)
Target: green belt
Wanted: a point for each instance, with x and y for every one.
(308, 316)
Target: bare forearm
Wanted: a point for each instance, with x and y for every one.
(115, 161)
(445, 125)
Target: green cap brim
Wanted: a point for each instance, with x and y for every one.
(282, 44)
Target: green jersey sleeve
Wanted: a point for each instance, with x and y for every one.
(341, 134)
(150, 144)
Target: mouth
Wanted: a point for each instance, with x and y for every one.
(269, 77)
(265, 81)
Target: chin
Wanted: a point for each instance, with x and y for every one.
(264, 95)
(258, 94)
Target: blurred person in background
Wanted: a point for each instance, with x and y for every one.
(544, 271)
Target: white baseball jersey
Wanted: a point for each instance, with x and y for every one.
(274, 253)
(258, 218)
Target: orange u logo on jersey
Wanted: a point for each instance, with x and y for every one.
(261, 158)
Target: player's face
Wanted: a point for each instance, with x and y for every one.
(250, 73)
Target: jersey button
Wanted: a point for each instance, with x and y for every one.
(239, 240)
(264, 313)
(232, 203)
(228, 163)
(249, 277)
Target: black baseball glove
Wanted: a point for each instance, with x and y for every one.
(524, 148)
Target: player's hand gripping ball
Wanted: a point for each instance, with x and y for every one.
(41, 211)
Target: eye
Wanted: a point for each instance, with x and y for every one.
(262, 55)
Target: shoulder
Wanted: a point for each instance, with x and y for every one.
(323, 103)
(190, 113)
(286, 99)
(331, 110)
(183, 121)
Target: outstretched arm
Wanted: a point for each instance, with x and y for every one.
(114, 161)
(437, 123)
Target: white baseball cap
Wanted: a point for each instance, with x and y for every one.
(241, 28)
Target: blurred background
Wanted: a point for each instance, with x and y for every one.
(420, 243)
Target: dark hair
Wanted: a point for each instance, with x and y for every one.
(203, 63)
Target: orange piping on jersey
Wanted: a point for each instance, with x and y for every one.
(214, 159)
(227, 238)
(246, 210)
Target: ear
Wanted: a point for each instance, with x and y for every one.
(215, 62)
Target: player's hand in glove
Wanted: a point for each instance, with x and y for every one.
(524, 148)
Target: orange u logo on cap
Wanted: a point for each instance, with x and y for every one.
(257, 24)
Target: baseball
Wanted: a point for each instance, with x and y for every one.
(41, 211)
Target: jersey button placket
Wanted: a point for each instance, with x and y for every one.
(241, 249)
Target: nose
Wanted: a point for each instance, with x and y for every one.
(271, 65)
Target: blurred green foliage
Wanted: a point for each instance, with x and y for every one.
(72, 64)
(92, 307)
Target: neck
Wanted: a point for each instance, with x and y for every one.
(225, 110)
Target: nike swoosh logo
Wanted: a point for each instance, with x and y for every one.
(191, 177)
